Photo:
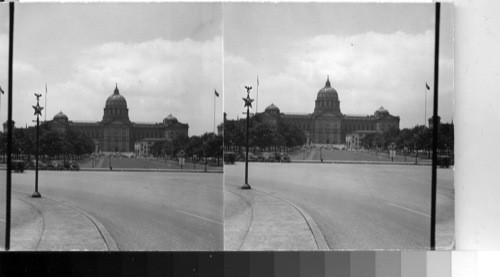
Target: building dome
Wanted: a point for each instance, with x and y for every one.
(60, 116)
(381, 111)
(116, 108)
(328, 92)
(116, 100)
(170, 119)
(272, 109)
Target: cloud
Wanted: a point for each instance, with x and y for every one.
(367, 70)
(156, 77)
(25, 77)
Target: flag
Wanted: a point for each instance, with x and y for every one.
(216, 93)
(45, 88)
(1, 90)
(427, 86)
(257, 80)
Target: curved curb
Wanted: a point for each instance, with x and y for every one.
(251, 218)
(108, 239)
(38, 211)
(317, 234)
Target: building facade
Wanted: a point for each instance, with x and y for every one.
(115, 132)
(327, 124)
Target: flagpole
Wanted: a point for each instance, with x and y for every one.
(257, 98)
(425, 115)
(45, 102)
(214, 111)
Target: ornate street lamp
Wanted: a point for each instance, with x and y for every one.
(38, 113)
(248, 104)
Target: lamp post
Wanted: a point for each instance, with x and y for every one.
(248, 103)
(38, 113)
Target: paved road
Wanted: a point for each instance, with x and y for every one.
(141, 210)
(360, 206)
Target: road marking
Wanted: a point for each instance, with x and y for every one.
(199, 217)
(420, 213)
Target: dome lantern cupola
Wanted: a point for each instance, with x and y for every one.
(327, 99)
(327, 84)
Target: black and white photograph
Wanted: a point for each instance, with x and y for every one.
(116, 131)
(329, 122)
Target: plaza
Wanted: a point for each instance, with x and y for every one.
(356, 206)
(168, 211)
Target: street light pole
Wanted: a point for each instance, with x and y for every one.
(38, 113)
(248, 104)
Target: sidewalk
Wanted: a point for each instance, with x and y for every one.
(42, 224)
(257, 220)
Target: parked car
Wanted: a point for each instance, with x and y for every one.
(268, 157)
(74, 166)
(277, 157)
(32, 164)
(18, 166)
(55, 165)
(285, 158)
(229, 157)
(444, 161)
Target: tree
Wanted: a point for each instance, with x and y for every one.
(52, 144)
(194, 147)
(263, 135)
(367, 141)
(390, 136)
(156, 148)
(446, 137)
(233, 134)
(78, 144)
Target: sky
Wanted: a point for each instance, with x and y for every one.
(166, 58)
(374, 54)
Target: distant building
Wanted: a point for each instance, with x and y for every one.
(142, 147)
(115, 132)
(6, 126)
(354, 140)
(431, 121)
(327, 124)
(220, 129)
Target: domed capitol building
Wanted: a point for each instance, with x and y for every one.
(116, 133)
(327, 124)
